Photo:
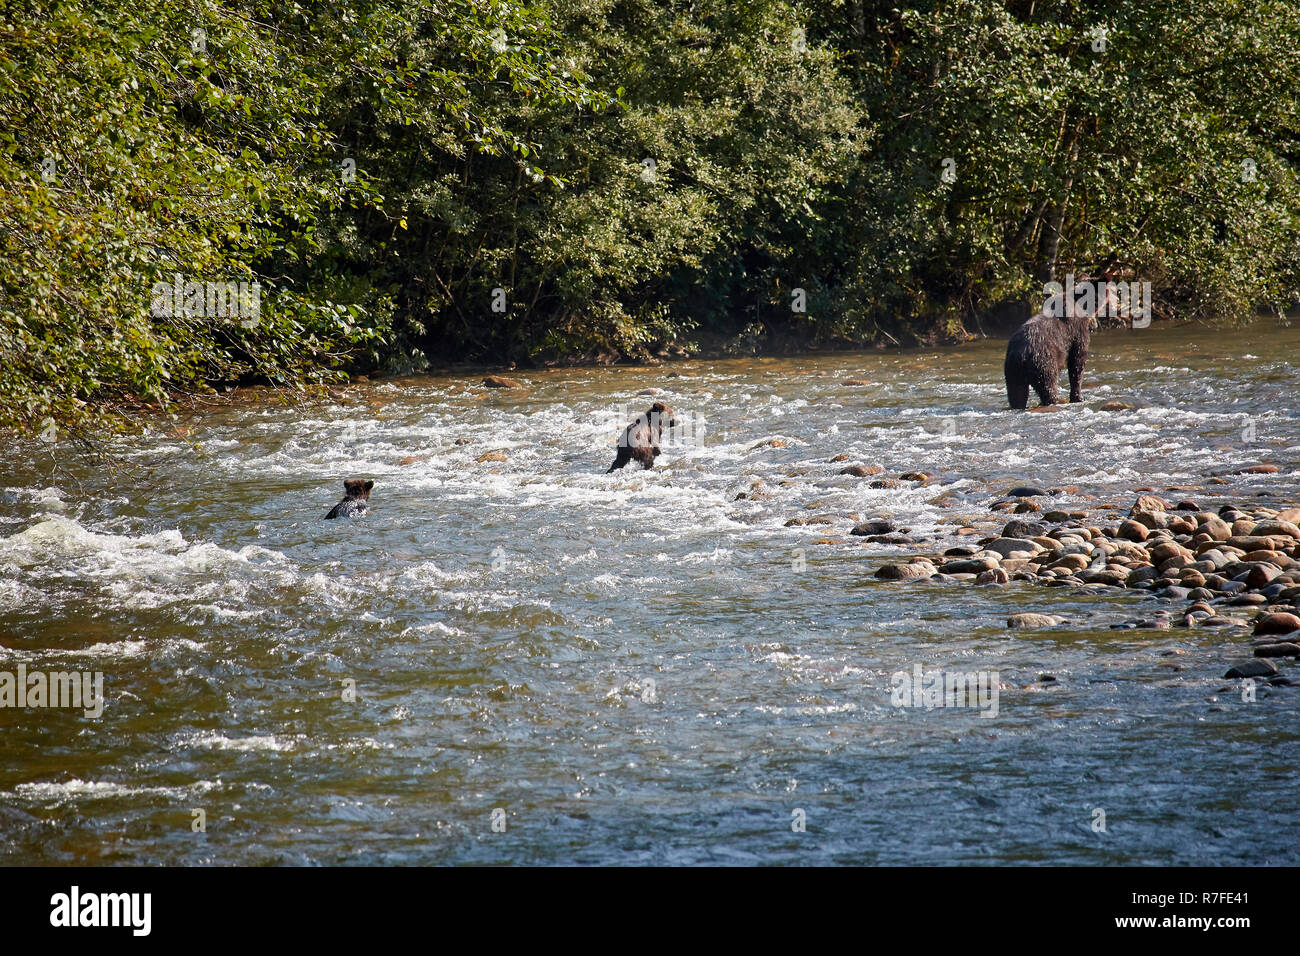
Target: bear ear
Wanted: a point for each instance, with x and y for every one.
(369, 484)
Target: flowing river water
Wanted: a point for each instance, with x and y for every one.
(640, 667)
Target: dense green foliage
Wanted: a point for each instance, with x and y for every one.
(580, 179)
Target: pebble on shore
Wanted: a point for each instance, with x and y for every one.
(1244, 558)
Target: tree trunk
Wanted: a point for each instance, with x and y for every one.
(1049, 240)
(1049, 243)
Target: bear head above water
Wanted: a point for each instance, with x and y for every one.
(356, 498)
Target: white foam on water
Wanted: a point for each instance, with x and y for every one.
(263, 743)
(60, 541)
(104, 650)
(428, 573)
(363, 745)
(1162, 414)
(16, 596)
(480, 601)
(198, 612)
(591, 555)
(337, 592)
(810, 710)
(76, 790)
(130, 592)
(109, 650)
(50, 497)
(716, 556)
(437, 627)
(1105, 477)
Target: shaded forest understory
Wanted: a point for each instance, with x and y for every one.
(596, 180)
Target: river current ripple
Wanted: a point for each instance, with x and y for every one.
(643, 667)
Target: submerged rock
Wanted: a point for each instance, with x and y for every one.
(892, 538)
(1031, 620)
(801, 520)
(1256, 667)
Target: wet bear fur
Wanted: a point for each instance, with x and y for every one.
(640, 440)
(356, 499)
(1037, 353)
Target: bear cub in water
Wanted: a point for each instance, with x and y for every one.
(356, 499)
(640, 440)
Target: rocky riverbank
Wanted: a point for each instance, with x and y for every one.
(1235, 567)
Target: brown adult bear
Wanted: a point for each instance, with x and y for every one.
(1046, 344)
(640, 440)
(356, 499)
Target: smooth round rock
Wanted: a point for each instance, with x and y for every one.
(1026, 491)
(1132, 530)
(1283, 649)
(906, 572)
(1258, 667)
(874, 526)
(1280, 623)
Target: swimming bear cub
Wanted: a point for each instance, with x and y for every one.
(356, 499)
(640, 440)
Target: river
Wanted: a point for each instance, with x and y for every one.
(639, 668)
